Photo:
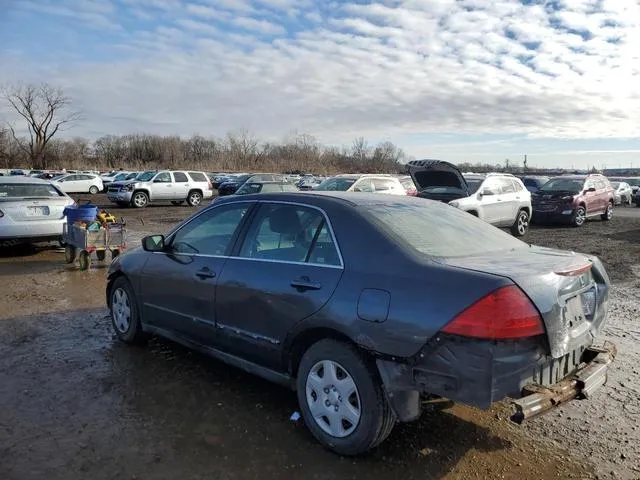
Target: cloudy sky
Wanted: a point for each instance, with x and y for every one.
(474, 80)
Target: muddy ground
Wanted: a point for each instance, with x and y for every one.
(77, 404)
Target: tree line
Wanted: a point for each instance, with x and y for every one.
(46, 111)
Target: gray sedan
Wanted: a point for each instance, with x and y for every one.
(365, 303)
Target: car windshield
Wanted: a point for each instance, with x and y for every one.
(615, 184)
(121, 176)
(146, 176)
(572, 185)
(437, 230)
(248, 188)
(474, 184)
(28, 190)
(336, 184)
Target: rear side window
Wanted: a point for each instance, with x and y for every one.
(438, 230)
(197, 177)
(180, 177)
(21, 190)
(289, 233)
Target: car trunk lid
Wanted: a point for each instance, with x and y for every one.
(29, 209)
(438, 180)
(570, 290)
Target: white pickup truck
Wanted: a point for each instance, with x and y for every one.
(177, 187)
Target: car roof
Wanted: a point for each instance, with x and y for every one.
(20, 179)
(324, 198)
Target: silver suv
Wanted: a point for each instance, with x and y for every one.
(500, 199)
(176, 187)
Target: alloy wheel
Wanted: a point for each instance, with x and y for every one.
(523, 223)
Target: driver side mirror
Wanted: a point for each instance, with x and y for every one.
(153, 243)
(486, 191)
(357, 189)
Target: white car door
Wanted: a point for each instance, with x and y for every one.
(362, 185)
(69, 184)
(509, 202)
(162, 186)
(491, 201)
(180, 186)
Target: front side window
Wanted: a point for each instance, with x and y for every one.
(506, 185)
(290, 233)
(163, 177)
(382, 185)
(492, 186)
(248, 188)
(209, 233)
(364, 185)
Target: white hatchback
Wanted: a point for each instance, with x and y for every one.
(79, 183)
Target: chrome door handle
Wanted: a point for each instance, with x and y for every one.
(304, 283)
(205, 273)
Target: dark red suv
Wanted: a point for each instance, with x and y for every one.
(572, 199)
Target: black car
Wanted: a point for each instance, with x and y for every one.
(362, 303)
(438, 180)
(230, 187)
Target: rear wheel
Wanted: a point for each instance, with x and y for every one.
(140, 200)
(579, 216)
(608, 213)
(93, 190)
(521, 225)
(194, 199)
(101, 254)
(341, 398)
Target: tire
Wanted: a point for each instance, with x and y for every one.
(139, 200)
(69, 254)
(177, 202)
(125, 318)
(367, 403)
(101, 254)
(521, 226)
(608, 213)
(579, 216)
(84, 260)
(93, 190)
(194, 198)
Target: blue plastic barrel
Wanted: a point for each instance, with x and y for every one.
(86, 213)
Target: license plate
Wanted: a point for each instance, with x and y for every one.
(37, 211)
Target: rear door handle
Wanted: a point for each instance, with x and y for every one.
(205, 273)
(304, 283)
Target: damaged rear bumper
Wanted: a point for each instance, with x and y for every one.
(588, 378)
(480, 373)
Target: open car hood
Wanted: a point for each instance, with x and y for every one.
(438, 180)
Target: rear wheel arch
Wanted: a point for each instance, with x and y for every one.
(305, 339)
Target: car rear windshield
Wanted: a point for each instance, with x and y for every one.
(438, 230)
(23, 190)
(198, 177)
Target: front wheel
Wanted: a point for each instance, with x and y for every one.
(84, 259)
(124, 312)
(93, 190)
(521, 225)
(341, 398)
(140, 200)
(608, 213)
(69, 253)
(579, 216)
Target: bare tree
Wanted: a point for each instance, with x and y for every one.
(46, 110)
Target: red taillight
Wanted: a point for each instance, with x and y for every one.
(210, 186)
(505, 313)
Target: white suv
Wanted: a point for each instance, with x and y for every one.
(372, 183)
(500, 199)
(176, 187)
